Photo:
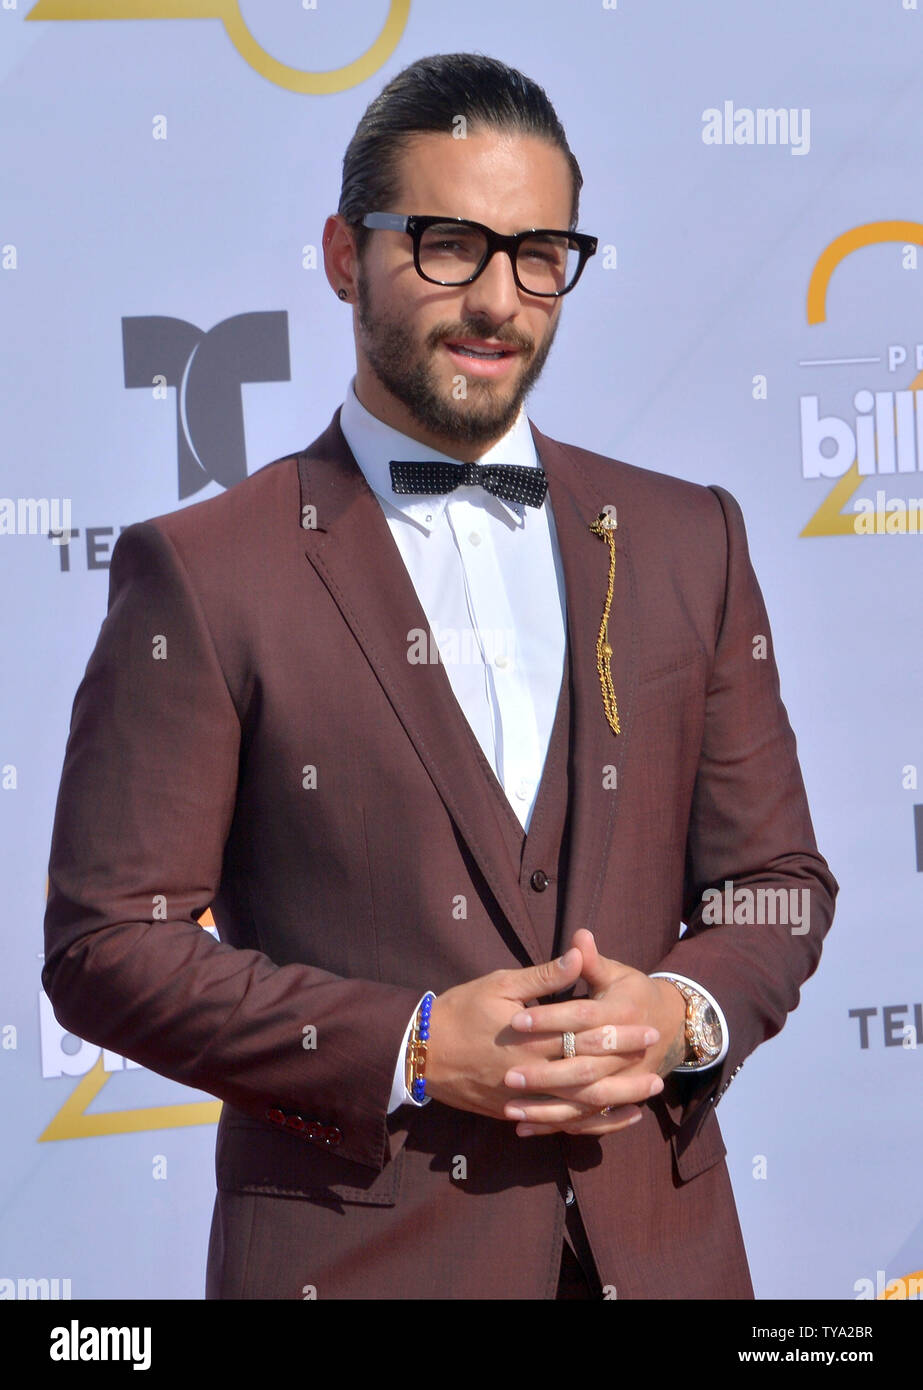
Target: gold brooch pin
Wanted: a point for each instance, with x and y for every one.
(605, 527)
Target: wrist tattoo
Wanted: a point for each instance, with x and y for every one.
(676, 1053)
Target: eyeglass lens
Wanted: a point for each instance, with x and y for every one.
(451, 253)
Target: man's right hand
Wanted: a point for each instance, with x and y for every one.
(472, 1046)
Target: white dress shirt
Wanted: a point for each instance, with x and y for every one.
(488, 576)
(489, 579)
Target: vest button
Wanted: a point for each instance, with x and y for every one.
(539, 880)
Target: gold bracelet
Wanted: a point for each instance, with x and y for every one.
(415, 1057)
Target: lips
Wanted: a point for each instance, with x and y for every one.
(482, 359)
(480, 349)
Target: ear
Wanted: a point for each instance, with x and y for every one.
(341, 257)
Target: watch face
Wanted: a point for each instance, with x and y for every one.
(712, 1028)
(706, 1030)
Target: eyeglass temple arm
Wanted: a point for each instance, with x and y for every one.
(389, 221)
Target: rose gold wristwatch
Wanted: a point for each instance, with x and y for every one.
(704, 1036)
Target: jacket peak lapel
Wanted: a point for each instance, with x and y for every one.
(347, 541)
(578, 496)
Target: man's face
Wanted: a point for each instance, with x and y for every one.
(413, 339)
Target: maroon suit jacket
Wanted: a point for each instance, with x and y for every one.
(241, 650)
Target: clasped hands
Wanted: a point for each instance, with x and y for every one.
(494, 1051)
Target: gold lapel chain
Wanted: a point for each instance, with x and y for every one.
(605, 527)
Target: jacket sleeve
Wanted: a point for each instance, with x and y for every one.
(750, 829)
(146, 800)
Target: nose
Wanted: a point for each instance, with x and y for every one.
(494, 294)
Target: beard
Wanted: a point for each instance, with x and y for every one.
(405, 368)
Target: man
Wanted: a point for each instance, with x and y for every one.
(451, 758)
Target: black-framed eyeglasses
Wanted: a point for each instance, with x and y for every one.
(454, 251)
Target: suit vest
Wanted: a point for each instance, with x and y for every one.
(540, 855)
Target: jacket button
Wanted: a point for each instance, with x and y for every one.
(276, 1116)
(294, 1122)
(332, 1136)
(314, 1131)
(539, 880)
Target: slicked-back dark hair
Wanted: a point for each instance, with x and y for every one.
(429, 96)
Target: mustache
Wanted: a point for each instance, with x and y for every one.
(473, 328)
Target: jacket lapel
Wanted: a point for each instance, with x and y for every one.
(577, 499)
(348, 542)
(347, 539)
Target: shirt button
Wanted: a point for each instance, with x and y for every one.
(569, 1196)
(539, 881)
(501, 660)
(474, 538)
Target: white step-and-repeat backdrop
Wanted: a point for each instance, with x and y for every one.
(753, 318)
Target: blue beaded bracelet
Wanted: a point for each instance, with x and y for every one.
(416, 1050)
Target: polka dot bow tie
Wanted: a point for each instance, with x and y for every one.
(510, 481)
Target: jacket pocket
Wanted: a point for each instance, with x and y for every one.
(256, 1157)
(670, 664)
(694, 1152)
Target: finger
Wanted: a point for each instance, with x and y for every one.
(585, 941)
(598, 971)
(569, 1073)
(574, 1015)
(577, 1103)
(616, 1039)
(538, 980)
(591, 1020)
(620, 1118)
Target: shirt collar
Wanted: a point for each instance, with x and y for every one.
(374, 444)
